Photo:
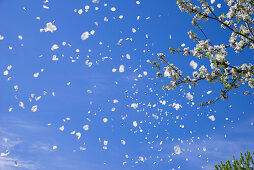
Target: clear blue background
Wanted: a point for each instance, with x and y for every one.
(30, 139)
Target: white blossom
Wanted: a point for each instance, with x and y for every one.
(135, 124)
(134, 105)
(121, 68)
(193, 64)
(212, 118)
(50, 27)
(85, 35)
(34, 108)
(189, 96)
(177, 150)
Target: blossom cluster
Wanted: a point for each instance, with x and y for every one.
(239, 20)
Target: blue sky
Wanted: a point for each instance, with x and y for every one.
(32, 135)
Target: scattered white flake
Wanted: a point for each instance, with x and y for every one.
(21, 104)
(45, 7)
(209, 92)
(86, 127)
(6, 72)
(92, 32)
(137, 2)
(115, 101)
(212, 1)
(128, 56)
(1, 37)
(120, 17)
(105, 19)
(141, 158)
(163, 102)
(134, 30)
(20, 37)
(212, 118)
(61, 128)
(85, 35)
(89, 91)
(177, 149)
(105, 142)
(80, 11)
(119, 42)
(193, 64)
(219, 5)
(78, 134)
(189, 96)
(9, 67)
(96, 1)
(176, 106)
(105, 120)
(34, 108)
(37, 98)
(54, 147)
(82, 148)
(114, 70)
(54, 58)
(87, 7)
(89, 64)
(6, 153)
(10, 109)
(155, 116)
(36, 74)
(123, 142)
(183, 45)
(145, 73)
(50, 27)
(54, 47)
(113, 9)
(134, 105)
(135, 124)
(121, 68)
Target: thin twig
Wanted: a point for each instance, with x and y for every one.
(171, 66)
(249, 29)
(217, 19)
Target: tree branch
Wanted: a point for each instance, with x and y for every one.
(217, 19)
(163, 59)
